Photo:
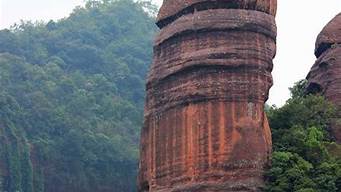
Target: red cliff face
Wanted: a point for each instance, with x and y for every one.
(205, 127)
(325, 75)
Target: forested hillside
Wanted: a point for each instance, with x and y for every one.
(71, 99)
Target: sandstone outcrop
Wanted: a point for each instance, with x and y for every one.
(330, 35)
(205, 128)
(325, 75)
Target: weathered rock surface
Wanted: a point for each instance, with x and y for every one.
(173, 9)
(205, 127)
(330, 35)
(325, 75)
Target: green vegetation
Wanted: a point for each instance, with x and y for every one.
(304, 158)
(71, 104)
(71, 99)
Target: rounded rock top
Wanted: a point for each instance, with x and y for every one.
(172, 9)
(330, 35)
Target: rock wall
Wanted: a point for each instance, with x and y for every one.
(205, 128)
(325, 75)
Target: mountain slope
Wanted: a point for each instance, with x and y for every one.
(71, 99)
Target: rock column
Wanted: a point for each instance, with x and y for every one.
(325, 75)
(205, 128)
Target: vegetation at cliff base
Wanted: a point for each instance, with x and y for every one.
(71, 99)
(304, 158)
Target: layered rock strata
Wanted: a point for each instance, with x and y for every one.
(205, 127)
(325, 75)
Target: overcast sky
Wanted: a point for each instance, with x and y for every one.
(299, 22)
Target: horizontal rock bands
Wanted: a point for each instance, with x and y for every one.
(212, 48)
(174, 9)
(204, 123)
(209, 83)
(220, 20)
(236, 65)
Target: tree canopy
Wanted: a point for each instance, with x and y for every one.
(305, 159)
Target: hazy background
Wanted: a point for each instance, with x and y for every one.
(299, 22)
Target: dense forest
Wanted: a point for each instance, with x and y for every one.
(71, 107)
(71, 99)
(305, 158)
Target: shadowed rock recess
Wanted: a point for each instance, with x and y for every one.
(325, 75)
(205, 128)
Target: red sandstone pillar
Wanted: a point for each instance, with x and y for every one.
(205, 127)
(325, 75)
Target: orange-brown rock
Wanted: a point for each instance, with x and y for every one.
(330, 35)
(325, 75)
(173, 9)
(205, 127)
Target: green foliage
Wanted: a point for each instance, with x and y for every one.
(299, 89)
(289, 172)
(302, 159)
(71, 98)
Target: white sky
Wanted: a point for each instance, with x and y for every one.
(299, 22)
